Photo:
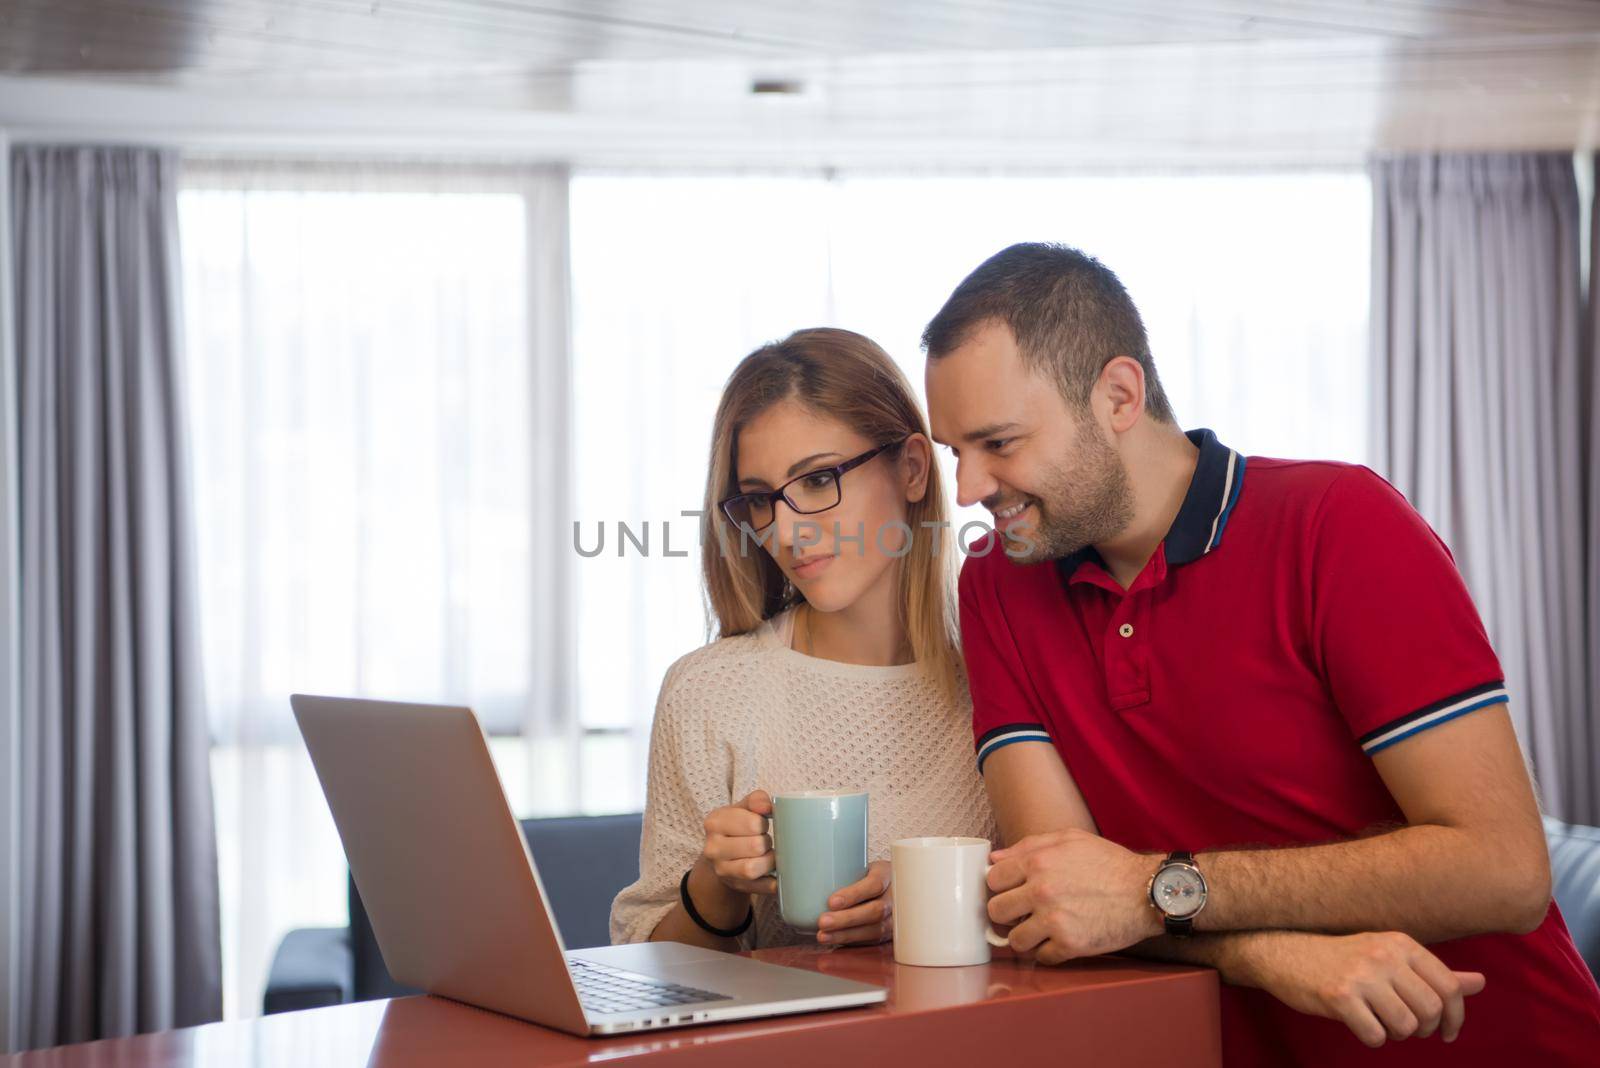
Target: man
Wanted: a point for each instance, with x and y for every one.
(1273, 666)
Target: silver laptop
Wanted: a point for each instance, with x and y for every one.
(455, 897)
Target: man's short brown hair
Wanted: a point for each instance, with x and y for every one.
(1068, 311)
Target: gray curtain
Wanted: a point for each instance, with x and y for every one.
(1589, 392)
(118, 910)
(1478, 417)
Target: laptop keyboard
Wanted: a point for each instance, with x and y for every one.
(603, 989)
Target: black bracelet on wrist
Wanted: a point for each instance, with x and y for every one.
(694, 914)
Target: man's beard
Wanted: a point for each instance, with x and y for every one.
(1085, 500)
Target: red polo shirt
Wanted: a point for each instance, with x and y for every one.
(1234, 694)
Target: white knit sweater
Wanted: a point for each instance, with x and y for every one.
(750, 713)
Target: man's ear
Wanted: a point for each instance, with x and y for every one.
(1121, 393)
(916, 457)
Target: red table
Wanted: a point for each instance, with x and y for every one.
(1102, 1011)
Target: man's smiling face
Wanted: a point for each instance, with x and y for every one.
(1045, 470)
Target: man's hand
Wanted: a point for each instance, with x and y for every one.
(1382, 985)
(1072, 894)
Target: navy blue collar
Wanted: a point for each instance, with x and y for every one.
(1213, 491)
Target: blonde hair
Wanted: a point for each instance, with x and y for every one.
(848, 377)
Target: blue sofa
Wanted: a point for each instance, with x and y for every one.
(1575, 882)
(583, 862)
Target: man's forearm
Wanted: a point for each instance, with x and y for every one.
(1231, 953)
(1432, 882)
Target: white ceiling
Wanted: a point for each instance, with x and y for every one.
(310, 37)
(1010, 83)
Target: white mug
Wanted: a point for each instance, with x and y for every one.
(941, 902)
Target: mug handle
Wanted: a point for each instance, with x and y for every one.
(990, 935)
(772, 833)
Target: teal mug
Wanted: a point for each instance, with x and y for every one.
(820, 838)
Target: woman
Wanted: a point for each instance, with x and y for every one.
(837, 665)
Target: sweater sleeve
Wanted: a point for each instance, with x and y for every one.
(685, 781)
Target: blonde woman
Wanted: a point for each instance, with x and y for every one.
(827, 566)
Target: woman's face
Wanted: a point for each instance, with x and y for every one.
(833, 556)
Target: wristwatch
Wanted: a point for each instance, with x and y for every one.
(1178, 892)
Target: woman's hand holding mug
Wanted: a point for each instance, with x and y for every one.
(861, 913)
(740, 853)
(738, 848)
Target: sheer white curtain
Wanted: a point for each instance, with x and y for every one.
(1253, 287)
(370, 350)
(674, 279)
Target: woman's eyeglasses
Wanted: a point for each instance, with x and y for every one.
(814, 491)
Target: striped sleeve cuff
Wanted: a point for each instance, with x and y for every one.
(1398, 730)
(1001, 737)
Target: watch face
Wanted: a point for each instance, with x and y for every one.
(1178, 890)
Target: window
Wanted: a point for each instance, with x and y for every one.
(376, 448)
(361, 412)
(1253, 289)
